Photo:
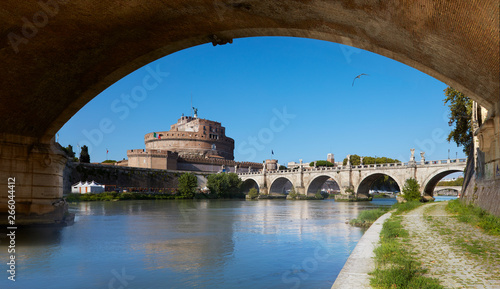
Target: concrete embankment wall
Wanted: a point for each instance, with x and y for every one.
(123, 176)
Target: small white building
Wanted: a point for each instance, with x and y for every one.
(87, 188)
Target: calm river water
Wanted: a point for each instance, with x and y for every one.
(188, 244)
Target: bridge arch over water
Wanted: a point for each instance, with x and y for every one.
(249, 184)
(278, 185)
(365, 185)
(429, 185)
(317, 183)
(52, 73)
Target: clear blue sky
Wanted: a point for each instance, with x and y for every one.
(243, 85)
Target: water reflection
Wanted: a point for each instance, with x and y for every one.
(183, 244)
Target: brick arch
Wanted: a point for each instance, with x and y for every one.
(95, 50)
(78, 53)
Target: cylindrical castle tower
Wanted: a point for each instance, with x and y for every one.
(193, 137)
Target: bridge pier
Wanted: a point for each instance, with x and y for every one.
(36, 170)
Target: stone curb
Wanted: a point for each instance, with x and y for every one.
(354, 274)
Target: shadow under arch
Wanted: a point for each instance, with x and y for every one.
(317, 183)
(430, 185)
(388, 32)
(249, 184)
(367, 182)
(278, 186)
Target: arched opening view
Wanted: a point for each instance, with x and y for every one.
(281, 187)
(249, 184)
(325, 185)
(378, 185)
(439, 184)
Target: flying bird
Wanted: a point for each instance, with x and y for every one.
(359, 76)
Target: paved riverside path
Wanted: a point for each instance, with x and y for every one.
(458, 254)
(354, 274)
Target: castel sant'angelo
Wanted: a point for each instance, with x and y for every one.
(192, 144)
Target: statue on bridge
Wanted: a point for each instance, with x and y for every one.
(348, 160)
(422, 156)
(361, 160)
(412, 158)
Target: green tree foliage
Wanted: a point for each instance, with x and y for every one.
(457, 182)
(253, 193)
(411, 190)
(69, 151)
(385, 183)
(283, 168)
(109, 162)
(225, 185)
(460, 116)
(187, 185)
(84, 155)
(321, 164)
(356, 160)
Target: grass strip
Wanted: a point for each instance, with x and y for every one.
(475, 216)
(366, 218)
(395, 265)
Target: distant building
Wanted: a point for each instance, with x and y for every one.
(191, 144)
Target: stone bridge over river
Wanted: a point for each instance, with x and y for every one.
(359, 178)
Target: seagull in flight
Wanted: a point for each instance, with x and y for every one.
(359, 76)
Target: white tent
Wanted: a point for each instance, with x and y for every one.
(75, 189)
(87, 188)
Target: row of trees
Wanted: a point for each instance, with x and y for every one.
(84, 154)
(356, 160)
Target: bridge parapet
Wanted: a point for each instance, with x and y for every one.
(435, 163)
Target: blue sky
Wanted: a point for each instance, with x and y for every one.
(292, 96)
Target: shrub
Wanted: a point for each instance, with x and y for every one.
(187, 185)
(293, 194)
(411, 190)
(225, 185)
(253, 193)
(318, 196)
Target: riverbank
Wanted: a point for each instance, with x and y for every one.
(457, 254)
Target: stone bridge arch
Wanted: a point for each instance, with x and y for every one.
(278, 184)
(434, 177)
(317, 182)
(364, 186)
(455, 43)
(248, 184)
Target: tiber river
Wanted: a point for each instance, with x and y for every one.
(191, 244)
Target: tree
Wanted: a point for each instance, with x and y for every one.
(187, 185)
(225, 185)
(411, 190)
(253, 193)
(356, 160)
(283, 168)
(84, 155)
(321, 164)
(460, 115)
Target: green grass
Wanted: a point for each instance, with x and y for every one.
(471, 246)
(405, 207)
(475, 216)
(367, 218)
(112, 196)
(396, 267)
